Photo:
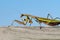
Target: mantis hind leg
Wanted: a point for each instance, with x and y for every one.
(40, 25)
(50, 16)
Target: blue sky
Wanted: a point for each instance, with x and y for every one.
(11, 9)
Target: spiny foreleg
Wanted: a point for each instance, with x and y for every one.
(19, 22)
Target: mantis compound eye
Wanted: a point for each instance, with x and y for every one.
(24, 19)
(21, 15)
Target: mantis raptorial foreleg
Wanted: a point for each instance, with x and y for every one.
(19, 22)
(28, 20)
